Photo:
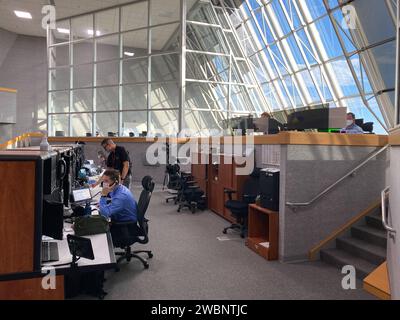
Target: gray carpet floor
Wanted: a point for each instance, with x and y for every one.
(191, 263)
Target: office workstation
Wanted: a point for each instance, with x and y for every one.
(184, 149)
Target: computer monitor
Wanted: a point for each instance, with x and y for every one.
(53, 219)
(81, 195)
(320, 119)
(80, 247)
(267, 125)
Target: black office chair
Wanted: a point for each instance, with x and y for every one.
(189, 194)
(125, 234)
(173, 174)
(239, 208)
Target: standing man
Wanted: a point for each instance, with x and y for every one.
(118, 159)
(351, 127)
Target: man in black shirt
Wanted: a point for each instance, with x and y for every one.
(118, 159)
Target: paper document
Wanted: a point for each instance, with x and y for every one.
(264, 244)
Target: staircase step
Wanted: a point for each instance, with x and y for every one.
(362, 249)
(369, 234)
(340, 258)
(375, 221)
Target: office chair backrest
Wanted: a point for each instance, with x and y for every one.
(144, 199)
(368, 127)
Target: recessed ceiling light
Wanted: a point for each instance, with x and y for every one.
(23, 14)
(63, 30)
(90, 32)
(129, 54)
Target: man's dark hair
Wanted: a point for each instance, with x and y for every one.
(106, 141)
(112, 174)
(352, 115)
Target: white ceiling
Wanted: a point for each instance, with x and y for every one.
(163, 11)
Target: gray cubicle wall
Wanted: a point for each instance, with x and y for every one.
(305, 172)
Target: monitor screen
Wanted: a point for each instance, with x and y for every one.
(81, 195)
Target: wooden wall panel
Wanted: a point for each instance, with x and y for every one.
(17, 216)
(31, 289)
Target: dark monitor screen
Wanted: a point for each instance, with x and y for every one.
(309, 119)
(53, 219)
(80, 247)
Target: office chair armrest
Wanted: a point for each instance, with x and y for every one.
(190, 182)
(248, 198)
(229, 192)
(193, 187)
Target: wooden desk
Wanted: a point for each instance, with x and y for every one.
(263, 228)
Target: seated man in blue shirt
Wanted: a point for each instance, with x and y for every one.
(117, 202)
(351, 127)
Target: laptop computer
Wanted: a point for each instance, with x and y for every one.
(81, 196)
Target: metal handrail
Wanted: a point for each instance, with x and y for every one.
(384, 195)
(294, 205)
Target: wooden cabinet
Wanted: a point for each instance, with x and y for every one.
(263, 231)
(217, 174)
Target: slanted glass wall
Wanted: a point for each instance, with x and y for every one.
(127, 69)
(116, 71)
(313, 52)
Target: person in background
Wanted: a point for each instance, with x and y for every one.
(118, 159)
(351, 127)
(117, 202)
(274, 126)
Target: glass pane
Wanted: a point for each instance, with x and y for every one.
(107, 48)
(134, 97)
(107, 123)
(326, 33)
(206, 38)
(107, 98)
(83, 76)
(134, 16)
(81, 124)
(107, 73)
(59, 56)
(83, 52)
(165, 68)
(344, 77)
(164, 95)
(204, 121)
(283, 25)
(107, 21)
(82, 27)
(201, 66)
(82, 100)
(207, 96)
(134, 70)
(133, 122)
(59, 102)
(162, 38)
(59, 79)
(134, 44)
(314, 9)
(305, 78)
(59, 122)
(162, 13)
(60, 33)
(163, 123)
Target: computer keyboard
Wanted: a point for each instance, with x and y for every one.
(49, 251)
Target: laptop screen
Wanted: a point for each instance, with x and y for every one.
(81, 195)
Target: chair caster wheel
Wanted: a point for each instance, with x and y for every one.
(146, 266)
(242, 236)
(166, 200)
(150, 255)
(224, 231)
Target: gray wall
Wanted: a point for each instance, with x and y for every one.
(23, 67)
(306, 171)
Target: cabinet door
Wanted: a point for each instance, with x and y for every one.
(17, 216)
